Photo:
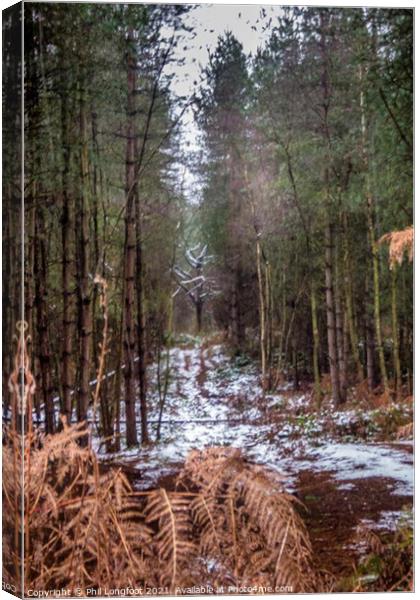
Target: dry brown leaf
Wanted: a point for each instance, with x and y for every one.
(400, 242)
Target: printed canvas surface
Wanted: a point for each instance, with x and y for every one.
(207, 299)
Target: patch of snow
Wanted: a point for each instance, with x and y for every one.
(355, 461)
(388, 520)
(298, 402)
(214, 400)
(345, 486)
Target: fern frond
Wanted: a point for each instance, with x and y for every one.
(174, 540)
(400, 242)
(208, 517)
(246, 507)
(84, 528)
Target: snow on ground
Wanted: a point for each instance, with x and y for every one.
(351, 461)
(214, 400)
(210, 403)
(389, 520)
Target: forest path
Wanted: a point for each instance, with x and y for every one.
(216, 400)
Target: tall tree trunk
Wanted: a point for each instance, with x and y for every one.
(130, 250)
(85, 318)
(262, 311)
(331, 324)
(67, 259)
(117, 386)
(331, 320)
(339, 324)
(370, 355)
(315, 349)
(41, 300)
(377, 297)
(349, 308)
(239, 321)
(199, 314)
(395, 338)
(295, 364)
(369, 335)
(235, 210)
(141, 327)
(168, 339)
(370, 208)
(314, 318)
(269, 307)
(198, 301)
(282, 332)
(264, 292)
(96, 322)
(95, 190)
(237, 325)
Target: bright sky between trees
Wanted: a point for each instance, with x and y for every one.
(250, 24)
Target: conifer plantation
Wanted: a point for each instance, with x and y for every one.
(208, 372)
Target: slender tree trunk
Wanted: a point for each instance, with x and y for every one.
(282, 331)
(348, 298)
(66, 275)
(370, 207)
(370, 356)
(238, 323)
(237, 270)
(141, 328)
(232, 316)
(96, 326)
(331, 320)
(95, 190)
(198, 301)
(163, 393)
(263, 276)
(370, 341)
(269, 300)
(262, 311)
(85, 318)
(199, 314)
(377, 300)
(315, 349)
(129, 326)
(341, 354)
(43, 344)
(117, 387)
(395, 339)
(345, 349)
(295, 364)
(314, 319)
(331, 325)
(130, 250)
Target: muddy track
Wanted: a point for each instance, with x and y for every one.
(332, 515)
(341, 483)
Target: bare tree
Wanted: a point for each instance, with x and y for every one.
(196, 285)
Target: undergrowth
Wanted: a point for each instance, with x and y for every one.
(227, 523)
(387, 561)
(81, 527)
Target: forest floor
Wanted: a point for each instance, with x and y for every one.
(350, 468)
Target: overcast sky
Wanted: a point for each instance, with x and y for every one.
(209, 21)
(248, 23)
